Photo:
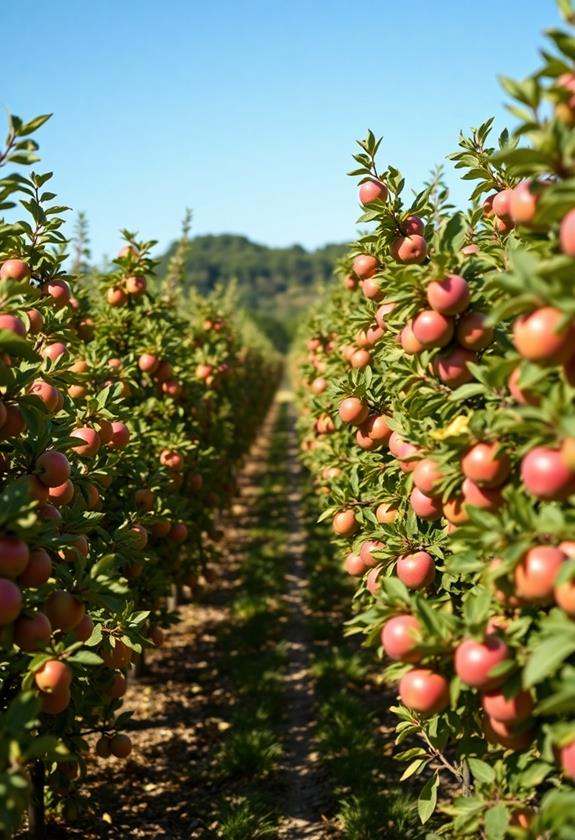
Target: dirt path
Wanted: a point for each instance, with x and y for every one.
(306, 793)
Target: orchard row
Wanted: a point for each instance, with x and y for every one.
(124, 410)
(437, 394)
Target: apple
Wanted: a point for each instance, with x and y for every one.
(450, 295)
(452, 368)
(354, 565)
(115, 296)
(543, 337)
(13, 324)
(474, 661)
(15, 269)
(400, 636)
(148, 362)
(372, 190)
(424, 691)
(90, 444)
(135, 285)
(353, 411)
(64, 610)
(486, 465)
(32, 632)
(416, 570)
(511, 710)
(120, 435)
(501, 204)
(426, 507)
(472, 331)
(366, 552)
(344, 523)
(432, 329)
(545, 474)
(38, 570)
(365, 265)
(53, 468)
(427, 476)
(53, 675)
(10, 601)
(536, 572)
(409, 250)
(14, 556)
(567, 234)
(120, 746)
(59, 290)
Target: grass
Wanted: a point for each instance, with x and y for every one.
(366, 800)
(253, 656)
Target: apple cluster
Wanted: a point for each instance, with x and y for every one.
(437, 397)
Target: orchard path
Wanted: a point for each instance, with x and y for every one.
(172, 786)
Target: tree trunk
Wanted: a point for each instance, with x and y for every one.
(36, 811)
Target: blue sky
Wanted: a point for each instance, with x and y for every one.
(247, 111)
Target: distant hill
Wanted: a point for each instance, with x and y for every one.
(275, 284)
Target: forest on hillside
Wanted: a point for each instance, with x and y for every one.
(274, 284)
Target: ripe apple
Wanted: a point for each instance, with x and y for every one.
(179, 532)
(523, 203)
(409, 343)
(53, 468)
(376, 427)
(55, 702)
(64, 610)
(47, 393)
(360, 359)
(13, 324)
(474, 661)
(53, 675)
(501, 204)
(121, 746)
(354, 565)
(521, 395)
(148, 362)
(15, 269)
(536, 572)
(115, 296)
(416, 570)
(412, 226)
(371, 288)
(424, 691)
(14, 556)
(345, 523)
(84, 629)
(482, 497)
(486, 465)
(136, 285)
(567, 234)
(32, 632)
(366, 552)
(36, 321)
(353, 411)
(543, 337)
(59, 290)
(472, 331)
(38, 570)
(400, 636)
(120, 435)
(452, 369)
(385, 513)
(90, 441)
(450, 295)
(426, 507)
(545, 474)
(10, 601)
(567, 759)
(410, 250)
(427, 476)
(371, 191)
(364, 265)
(432, 329)
(511, 710)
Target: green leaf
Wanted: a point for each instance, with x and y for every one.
(86, 657)
(547, 657)
(482, 772)
(496, 822)
(427, 799)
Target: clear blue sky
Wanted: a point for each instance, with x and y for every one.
(247, 110)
